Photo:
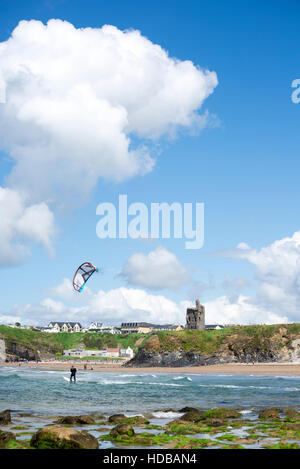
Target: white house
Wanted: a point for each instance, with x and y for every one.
(95, 326)
(65, 326)
(126, 353)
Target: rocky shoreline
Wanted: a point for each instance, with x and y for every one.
(277, 349)
(186, 428)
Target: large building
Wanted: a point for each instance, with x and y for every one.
(195, 317)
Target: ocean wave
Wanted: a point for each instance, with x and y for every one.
(220, 386)
(177, 378)
(234, 386)
(167, 384)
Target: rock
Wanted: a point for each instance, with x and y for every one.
(269, 414)
(169, 409)
(193, 416)
(188, 409)
(139, 420)
(5, 437)
(214, 422)
(291, 426)
(222, 413)
(145, 358)
(75, 420)
(117, 418)
(292, 414)
(17, 352)
(55, 437)
(5, 417)
(122, 429)
(176, 422)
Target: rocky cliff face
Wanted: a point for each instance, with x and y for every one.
(145, 358)
(11, 351)
(234, 348)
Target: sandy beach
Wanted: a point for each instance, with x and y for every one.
(258, 369)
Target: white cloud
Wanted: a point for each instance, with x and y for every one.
(9, 319)
(75, 97)
(158, 270)
(22, 224)
(278, 274)
(111, 307)
(240, 310)
(131, 304)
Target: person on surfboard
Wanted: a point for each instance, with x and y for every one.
(73, 373)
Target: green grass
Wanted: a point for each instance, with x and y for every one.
(247, 338)
(55, 343)
(243, 338)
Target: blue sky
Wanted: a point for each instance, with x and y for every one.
(244, 167)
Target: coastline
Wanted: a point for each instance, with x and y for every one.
(233, 368)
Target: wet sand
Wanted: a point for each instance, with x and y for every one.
(234, 368)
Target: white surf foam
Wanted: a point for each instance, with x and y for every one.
(166, 415)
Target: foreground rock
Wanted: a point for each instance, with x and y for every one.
(5, 437)
(75, 420)
(5, 417)
(269, 414)
(122, 429)
(55, 437)
(117, 418)
(193, 416)
(137, 420)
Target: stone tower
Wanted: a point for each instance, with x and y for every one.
(195, 317)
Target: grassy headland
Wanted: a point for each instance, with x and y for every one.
(242, 340)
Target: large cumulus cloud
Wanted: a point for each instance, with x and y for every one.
(21, 224)
(277, 271)
(76, 99)
(158, 270)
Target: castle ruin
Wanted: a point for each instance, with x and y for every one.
(195, 317)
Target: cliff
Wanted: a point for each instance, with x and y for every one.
(264, 344)
(21, 344)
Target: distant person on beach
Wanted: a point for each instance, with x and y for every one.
(73, 373)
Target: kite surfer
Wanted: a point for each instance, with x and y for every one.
(73, 373)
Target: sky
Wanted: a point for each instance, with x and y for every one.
(185, 102)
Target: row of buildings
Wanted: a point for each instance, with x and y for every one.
(195, 319)
(116, 352)
(126, 327)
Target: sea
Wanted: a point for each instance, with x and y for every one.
(45, 392)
